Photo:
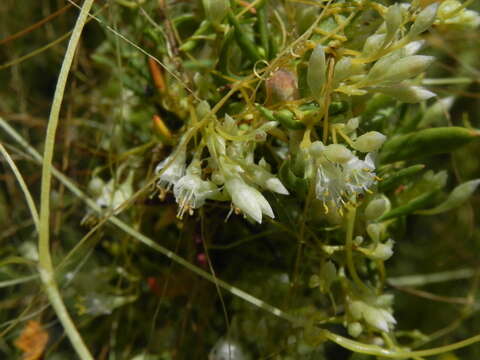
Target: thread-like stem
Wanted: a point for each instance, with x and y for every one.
(45, 260)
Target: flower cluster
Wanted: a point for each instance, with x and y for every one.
(392, 52)
(189, 189)
(374, 311)
(233, 174)
(340, 175)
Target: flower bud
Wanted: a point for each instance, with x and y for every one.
(328, 275)
(248, 199)
(316, 148)
(373, 44)
(407, 93)
(352, 124)
(424, 20)
(370, 141)
(342, 69)
(393, 19)
(275, 185)
(413, 47)
(378, 318)
(375, 231)
(96, 185)
(451, 12)
(227, 349)
(377, 207)
(407, 67)
(383, 251)
(317, 69)
(202, 109)
(355, 309)
(384, 300)
(337, 153)
(355, 329)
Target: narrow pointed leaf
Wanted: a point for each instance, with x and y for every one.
(456, 198)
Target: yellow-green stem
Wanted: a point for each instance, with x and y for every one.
(396, 354)
(351, 214)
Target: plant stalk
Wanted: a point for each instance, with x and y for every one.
(45, 260)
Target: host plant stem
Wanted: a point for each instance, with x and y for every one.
(45, 261)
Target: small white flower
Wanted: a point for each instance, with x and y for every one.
(340, 175)
(227, 349)
(382, 251)
(261, 176)
(330, 185)
(248, 199)
(191, 191)
(373, 314)
(173, 172)
(114, 195)
(359, 174)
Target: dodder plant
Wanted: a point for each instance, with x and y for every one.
(308, 125)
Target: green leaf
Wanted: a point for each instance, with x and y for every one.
(399, 177)
(291, 181)
(427, 142)
(413, 205)
(456, 198)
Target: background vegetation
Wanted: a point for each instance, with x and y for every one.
(128, 296)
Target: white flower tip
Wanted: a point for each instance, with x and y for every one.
(248, 199)
(413, 47)
(382, 325)
(388, 317)
(276, 185)
(383, 251)
(252, 210)
(424, 94)
(265, 206)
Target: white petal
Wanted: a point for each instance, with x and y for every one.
(413, 47)
(388, 317)
(245, 198)
(265, 206)
(275, 185)
(375, 318)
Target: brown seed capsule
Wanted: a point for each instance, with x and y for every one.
(160, 127)
(157, 74)
(281, 86)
